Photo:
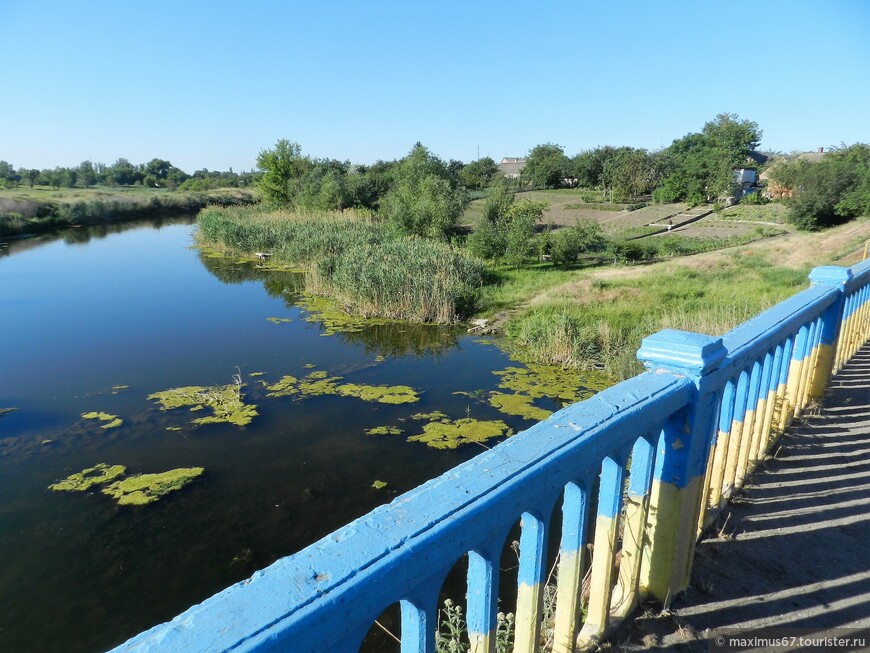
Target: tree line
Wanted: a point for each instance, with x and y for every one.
(157, 173)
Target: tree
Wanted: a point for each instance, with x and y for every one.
(700, 167)
(629, 173)
(478, 174)
(283, 170)
(422, 201)
(522, 217)
(546, 167)
(832, 190)
(87, 175)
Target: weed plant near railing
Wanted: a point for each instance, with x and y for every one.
(368, 269)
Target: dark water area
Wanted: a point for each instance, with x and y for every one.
(90, 310)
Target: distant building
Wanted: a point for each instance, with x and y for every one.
(511, 167)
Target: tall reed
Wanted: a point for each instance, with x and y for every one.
(368, 269)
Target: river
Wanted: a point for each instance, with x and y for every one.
(96, 320)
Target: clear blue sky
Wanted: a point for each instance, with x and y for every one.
(210, 83)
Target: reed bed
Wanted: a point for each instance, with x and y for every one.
(353, 259)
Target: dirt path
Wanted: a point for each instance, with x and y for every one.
(792, 550)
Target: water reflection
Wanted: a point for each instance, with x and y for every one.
(84, 234)
(376, 338)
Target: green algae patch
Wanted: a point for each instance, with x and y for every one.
(225, 402)
(333, 319)
(279, 320)
(450, 435)
(87, 478)
(286, 386)
(119, 388)
(148, 488)
(255, 374)
(308, 366)
(385, 430)
(6, 411)
(319, 383)
(434, 416)
(111, 421)
(379, 485)
(517, 404)
(384, 394)
(538, 380)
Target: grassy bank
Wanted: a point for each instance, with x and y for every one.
(596, 318)
(354, 260)
(30, 211)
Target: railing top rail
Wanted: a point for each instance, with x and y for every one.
(373, 561)
(860, 275)
(752, 339)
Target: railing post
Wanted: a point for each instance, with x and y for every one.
(834, 277)
(681, 457)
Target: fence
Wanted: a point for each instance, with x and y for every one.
(653, 459)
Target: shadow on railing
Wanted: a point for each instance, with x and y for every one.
(653, 458)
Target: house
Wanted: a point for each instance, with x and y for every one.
(511, 167)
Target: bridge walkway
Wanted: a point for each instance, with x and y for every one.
(792, 551)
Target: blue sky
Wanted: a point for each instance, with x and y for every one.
(211, 83)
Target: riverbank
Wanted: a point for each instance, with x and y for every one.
(588, 316)
(26, 212)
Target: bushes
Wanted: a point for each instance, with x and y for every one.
(585, 237)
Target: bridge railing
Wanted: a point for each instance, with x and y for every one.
(636, 472)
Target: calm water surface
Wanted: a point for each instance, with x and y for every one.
(137, 307)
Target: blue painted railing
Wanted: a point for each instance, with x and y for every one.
(657, 457)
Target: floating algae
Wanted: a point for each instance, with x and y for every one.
(119, 388)
(449, 435)
(384, 394)
(224, 401)
(385, 430)
(279, 320)
(134, 490)
(85, 479)
(256, 373)
(5, 411)
(518, 404)
(379, 485)
(112, 421)
(148, 488)
(333, 319)
(320, 383)
(536, 381)
(434, 416)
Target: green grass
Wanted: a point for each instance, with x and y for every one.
(603, 326)
(774, 212)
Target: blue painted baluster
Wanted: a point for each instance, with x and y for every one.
(482, 601)
(603, 553)
(762, 418)
(625, 595)
(795, 369)
(530, 580)
(419, 621)
(720, 456)
(752, 396)
(571, 564)
(735, 441)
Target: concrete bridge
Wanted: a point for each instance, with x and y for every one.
(634, 476)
